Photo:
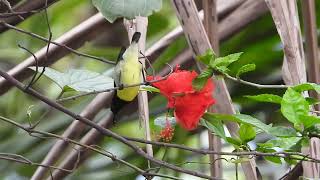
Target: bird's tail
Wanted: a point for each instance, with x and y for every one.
(116, 105)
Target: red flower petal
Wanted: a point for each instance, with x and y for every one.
(190, 108)
(189, 104)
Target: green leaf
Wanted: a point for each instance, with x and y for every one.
(244, 69)
(290, 161)
(240, 118)
(79, 80)
(293, 105)
(207, 57)
(149, 89)
(163, 120)
(113, 9)
(273, 159)
(201, 80)
(305, 141)
(215, 126)
(281, 131)
(309, 120)
(222, 63)
(271, 98)
(265, 149)
(306, 87)
(234, 141)
(284, 143)
(312, 101)
(315, 129)
(246, 133)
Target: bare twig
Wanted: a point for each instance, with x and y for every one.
(246, 153)
(25, 6)
(6, 15)
(259, 86)
(49, 42)
(7, 3)
(29, 162)
(36, 64)
(56, 43)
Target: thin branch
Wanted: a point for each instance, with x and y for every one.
(49, 42)
(25, 6)
(246, 153)
(7, 3)
(55, 43)
(259, 86)
(24, 160)
(14, 13)
(36, 63)
(100, 129)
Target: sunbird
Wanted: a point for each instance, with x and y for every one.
(127, 72)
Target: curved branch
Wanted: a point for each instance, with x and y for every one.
(31, 7)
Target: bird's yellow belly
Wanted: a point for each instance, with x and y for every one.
(131, 75)
(128, 94)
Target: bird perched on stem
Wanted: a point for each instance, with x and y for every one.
(127, 72)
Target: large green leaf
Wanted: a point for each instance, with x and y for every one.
(235, 141)
(273, 159)
(240, 118)
(312, 101)
(284, 143)
(293, 105)
(113, 9)
(246, 133)
(281, 131)
(307, 87)
(266, 98)
(79, 80)
(309, 120)
(215, 127)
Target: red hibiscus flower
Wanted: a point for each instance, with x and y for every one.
(189, 104)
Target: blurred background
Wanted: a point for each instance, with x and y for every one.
(259, 41)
